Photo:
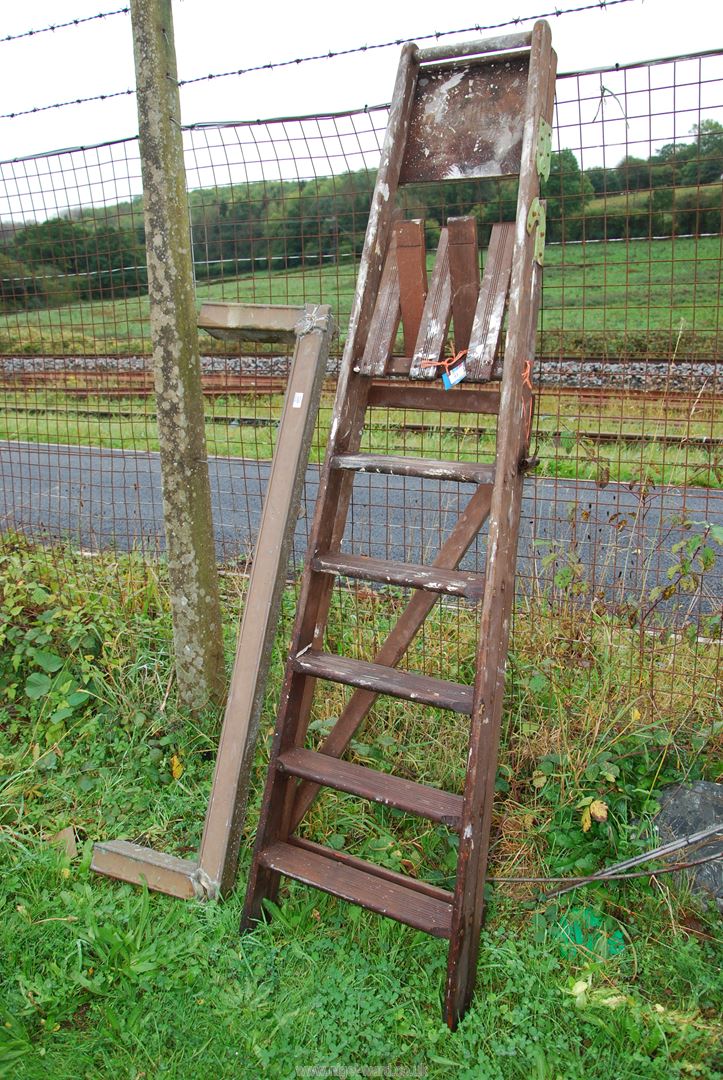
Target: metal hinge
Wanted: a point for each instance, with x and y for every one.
(544, 149)
(537, 220)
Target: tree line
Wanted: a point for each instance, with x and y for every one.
(285, 225)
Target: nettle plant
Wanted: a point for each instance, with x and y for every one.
(57, 641)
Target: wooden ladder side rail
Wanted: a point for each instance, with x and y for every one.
(212, 874)
(402, 292)
(412, 266)
(335, 487)
(513, 439)
(464, 276)
(386, 316)
(435, 317)
(491, 303)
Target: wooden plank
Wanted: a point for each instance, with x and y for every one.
(385, 320)
(398, 641)
(392, 396)
(501, 555)
(421, 689)
(125, 861)
(490, 311)
(249, 322)
(434, 327)
(406, 882)
(465, 472)
(464, 276)
(413, 798)
(465, 583)
(367, 889)
(484, 46)
(412, 266)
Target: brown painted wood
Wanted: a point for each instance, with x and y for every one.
(385, 320)
(223, 827)
(249, 322)
(467, 121)
(501, 556)
(400, 365)
(430, 398)
(374, 869)
(412, 266)
(368, 889)
(465, 583)
(464, 276)
(436, 316)
(400, 638)
(124, 861)
(490, 311)
(486, 46)
(296, 774)
(334, 489)
(214, 872)
(421, 689)
(420, 799)
(465, 472)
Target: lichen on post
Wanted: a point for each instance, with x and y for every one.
(174, 335)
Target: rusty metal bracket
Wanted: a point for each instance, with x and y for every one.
(543, 155)
(537, 220)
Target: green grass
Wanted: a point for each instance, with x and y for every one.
(610, 298)
(100, 979)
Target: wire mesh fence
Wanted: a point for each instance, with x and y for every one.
(624, 514)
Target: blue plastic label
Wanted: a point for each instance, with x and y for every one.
(454, 376)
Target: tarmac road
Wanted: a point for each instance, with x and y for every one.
(615, 543)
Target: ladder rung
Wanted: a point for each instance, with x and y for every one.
(386, 680)
(362, 887)
(468, 472)
(421, 799)
(451, 582)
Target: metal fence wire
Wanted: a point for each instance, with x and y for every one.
(624, 513)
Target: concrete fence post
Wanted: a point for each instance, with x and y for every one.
(174, 335)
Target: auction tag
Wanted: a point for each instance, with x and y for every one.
(454, 376)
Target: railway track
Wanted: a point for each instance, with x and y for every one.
(94, 382)
(667, 438)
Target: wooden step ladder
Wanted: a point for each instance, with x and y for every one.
(477, 110)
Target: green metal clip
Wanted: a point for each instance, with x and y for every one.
(537, 220)
(544, 149)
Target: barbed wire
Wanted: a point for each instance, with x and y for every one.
(64, 104)
(331, 54)
(63, 25)
(436, 35)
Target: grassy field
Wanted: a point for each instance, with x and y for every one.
(614, 298)
(621, 980)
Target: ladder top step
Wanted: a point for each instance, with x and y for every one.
(407, 795)
(365, 888)
(467, 472)
(386, 680)
(465, 583)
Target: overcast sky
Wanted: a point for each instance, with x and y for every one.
(219, 35)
